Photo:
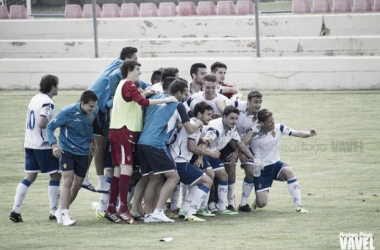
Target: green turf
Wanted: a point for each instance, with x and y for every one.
(337, 170)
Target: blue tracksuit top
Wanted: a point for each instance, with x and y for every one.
(102, 83)
(75, 129)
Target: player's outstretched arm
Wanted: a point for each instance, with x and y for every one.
(304, 134)
(229, 90)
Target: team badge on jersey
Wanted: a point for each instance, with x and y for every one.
(273, 134)
(47, 111)
(260, 185)
(64, 165)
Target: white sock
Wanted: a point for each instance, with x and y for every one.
(158, 211)
(86, 181)
(101, 184)
(246, 191)
(22, 189)
(197, 198)
(222, 194)
(189, 198)
(231, 193)
(184, 189)
(174, 197)
(204, 204)
(54, 193)
(294, 191)
(103, 203)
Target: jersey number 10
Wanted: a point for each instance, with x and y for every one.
(31, 120)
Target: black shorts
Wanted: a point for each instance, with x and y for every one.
(101, 124)
(78, 163)
(154, 160)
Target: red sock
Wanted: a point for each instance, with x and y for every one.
(124, 187)
(113, 195)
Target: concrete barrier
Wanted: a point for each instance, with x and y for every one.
(195, 47)
(312, 73)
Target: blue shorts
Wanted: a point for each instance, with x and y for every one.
(217, 163)
(40, 161)
(188, 174)
(225, 152)
(154, 160)
(78, 163)
(268, 174)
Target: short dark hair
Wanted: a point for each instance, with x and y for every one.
(156, 76)
(88, 96)
(168, 72)
(263, 115)
(254, 93)
(127, 52)
(47, 82)
(230, 109)
(216, 65)
(167, 82)
(194, 68)
(209, 78)
(127, 66)
(178, 85)
(202, 107)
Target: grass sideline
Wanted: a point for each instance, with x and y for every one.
(337, 171)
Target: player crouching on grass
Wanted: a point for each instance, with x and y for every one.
(182, 150)
(265, 144)
(220, 132)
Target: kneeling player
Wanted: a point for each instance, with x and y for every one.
(265, 144)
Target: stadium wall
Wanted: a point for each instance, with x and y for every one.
(196, 36)
(294, 56)
(288, 73)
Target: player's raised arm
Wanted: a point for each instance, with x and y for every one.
(304, 134)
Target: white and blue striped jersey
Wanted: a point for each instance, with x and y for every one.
(220, 138)
(161, 125)
(266, 147)
(35, 137)
(199, 97)
(178, 149)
